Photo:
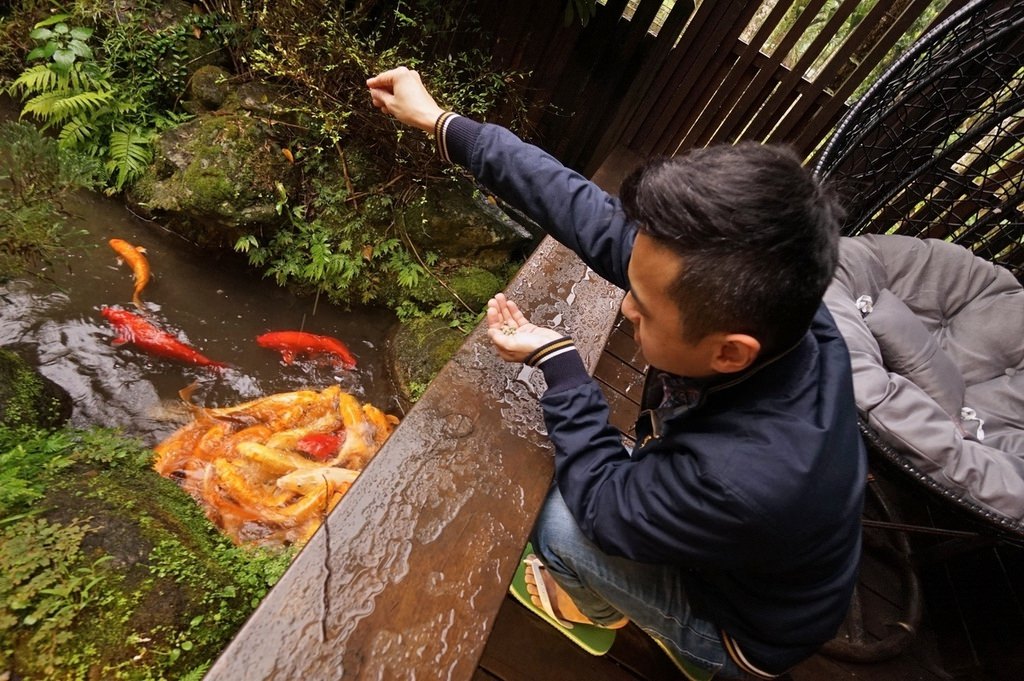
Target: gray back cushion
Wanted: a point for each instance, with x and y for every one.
(971, 313)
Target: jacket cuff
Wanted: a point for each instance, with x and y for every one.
(561, 364)
(457, 138)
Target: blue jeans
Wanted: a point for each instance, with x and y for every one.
(606, 588)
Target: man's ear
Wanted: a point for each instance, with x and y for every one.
(735, 352)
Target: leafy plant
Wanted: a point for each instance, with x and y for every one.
(62, 44)
(46, 582)
(130, 153)
(343, 235)
(24, 454)
(69, 84)
(110, 108)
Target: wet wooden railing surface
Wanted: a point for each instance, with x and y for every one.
(406, 576)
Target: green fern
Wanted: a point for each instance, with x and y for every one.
(196, 674)
(59, 106)
(39, 78)
(131, 152)
(77, 133)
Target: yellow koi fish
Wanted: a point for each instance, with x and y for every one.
(137, 261)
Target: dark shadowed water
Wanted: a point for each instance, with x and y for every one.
(212, 300)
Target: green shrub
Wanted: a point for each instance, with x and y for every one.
(342, 237)
(109, 100)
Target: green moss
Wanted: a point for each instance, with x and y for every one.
(25, 398)
(111, 571)
(421, 348)
(211, 190)
(475, 286)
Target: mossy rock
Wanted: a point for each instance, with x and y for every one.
(27, 398)
(160, 574)
(268, 101)
(461, 224)
(209, 86)
(214, 178)
(419, 350)
(474, 286)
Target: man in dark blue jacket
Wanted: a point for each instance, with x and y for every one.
(731, 533)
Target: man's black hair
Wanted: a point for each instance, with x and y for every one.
(757, 234)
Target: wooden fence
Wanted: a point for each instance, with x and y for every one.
(712, 71)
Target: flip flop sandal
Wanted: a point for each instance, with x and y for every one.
(593, 639)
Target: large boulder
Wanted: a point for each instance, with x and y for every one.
(216, 178)
(27, 398)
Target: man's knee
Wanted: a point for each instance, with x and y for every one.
(556, 536)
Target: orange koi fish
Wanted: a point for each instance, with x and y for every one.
(137, 261)
(131, 328)
(293, 343)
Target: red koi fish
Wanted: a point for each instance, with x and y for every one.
(321, 446)
(131, 328)
(293, 343)
(137, 261)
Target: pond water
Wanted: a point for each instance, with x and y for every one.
(210, 299)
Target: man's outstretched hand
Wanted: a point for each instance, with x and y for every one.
(511, 332)
(401, 93)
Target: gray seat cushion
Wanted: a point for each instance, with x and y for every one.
(965, 314)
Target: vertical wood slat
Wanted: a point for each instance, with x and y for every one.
(703, 59)
(511, 27)
(940, 199)
(550, 50)
(764, 119)
(612, 83)
(594, 72)
(678, 56)
(826, 117)
(645, 75)
(610, 75)
(960, 90)
(541, 31)
(738, 80)
(726, 97)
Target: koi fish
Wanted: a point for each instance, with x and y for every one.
(137, 261)
(131, 328)
(293, 343)
(321, 446)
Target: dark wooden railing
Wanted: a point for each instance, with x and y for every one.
(406, 576)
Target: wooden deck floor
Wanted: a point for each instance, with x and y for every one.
(973, 626)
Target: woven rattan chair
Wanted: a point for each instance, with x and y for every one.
(930, 163)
